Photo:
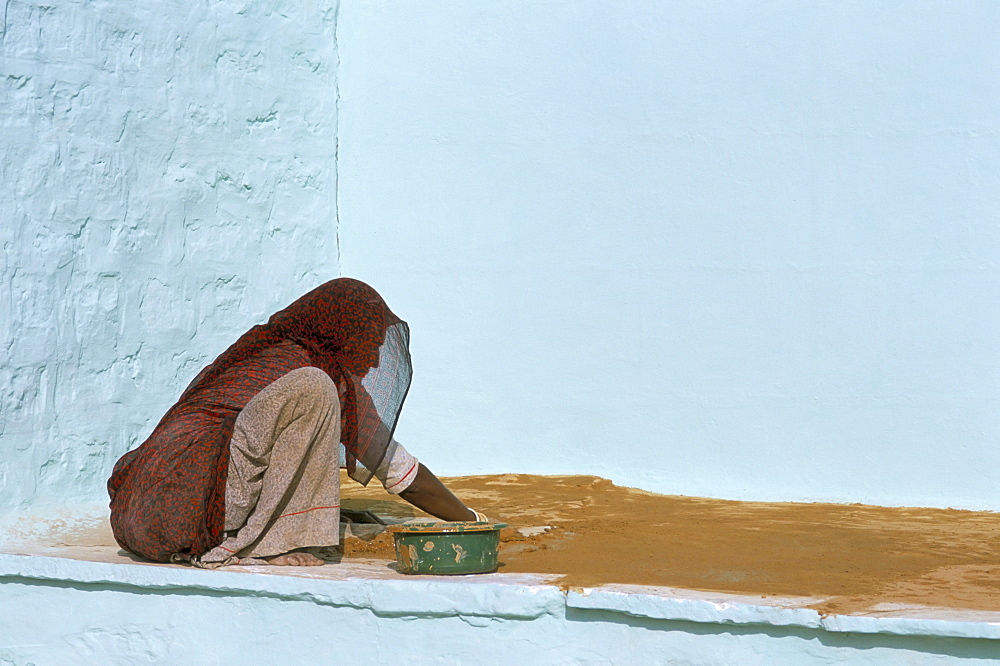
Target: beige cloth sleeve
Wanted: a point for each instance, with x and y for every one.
(398, 473)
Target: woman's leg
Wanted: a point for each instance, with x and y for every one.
(283, 489)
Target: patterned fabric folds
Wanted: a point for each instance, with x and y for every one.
(168, 495)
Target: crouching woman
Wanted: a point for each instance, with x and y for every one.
(245, 467)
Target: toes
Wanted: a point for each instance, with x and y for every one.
(295, 560)
(309, 560)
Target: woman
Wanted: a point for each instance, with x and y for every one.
(245, 468)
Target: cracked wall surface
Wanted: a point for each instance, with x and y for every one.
(168, 179)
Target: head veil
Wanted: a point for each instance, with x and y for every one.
(351, 334)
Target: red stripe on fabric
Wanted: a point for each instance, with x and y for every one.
(337, 506)
(403, 478)
(226, 549)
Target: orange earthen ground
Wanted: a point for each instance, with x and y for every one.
(854, 556)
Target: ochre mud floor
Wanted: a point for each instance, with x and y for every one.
(853, 556)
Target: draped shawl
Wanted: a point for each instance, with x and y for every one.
(168, 495)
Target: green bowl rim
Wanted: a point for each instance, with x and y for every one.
(446, 527)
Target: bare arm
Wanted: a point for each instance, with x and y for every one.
(427, 493)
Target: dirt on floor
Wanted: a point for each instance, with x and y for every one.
(851, 555)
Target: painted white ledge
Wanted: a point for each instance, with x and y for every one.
(903, 626)
(371, 585)
(693, 606)
(360, 584)
(706, 607)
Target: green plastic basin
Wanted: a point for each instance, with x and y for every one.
(447, 548)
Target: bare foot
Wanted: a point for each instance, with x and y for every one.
(296, 558)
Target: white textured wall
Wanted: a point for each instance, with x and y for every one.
(167, 178)
(742, 250)
(748, 250)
